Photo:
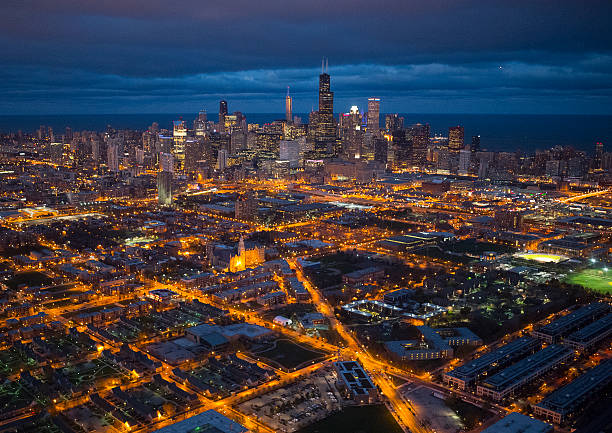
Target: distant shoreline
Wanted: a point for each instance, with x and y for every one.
(499, 132)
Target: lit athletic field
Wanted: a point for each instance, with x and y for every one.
(594, 279)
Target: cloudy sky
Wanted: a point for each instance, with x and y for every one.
(426, 56)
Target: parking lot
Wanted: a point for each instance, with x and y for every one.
(432, 410)
(297, 405)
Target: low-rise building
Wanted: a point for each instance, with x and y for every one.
(399, 296)
(521, 373)
(467, 374)
(435, 344)
(355, 383)
(564, 325)
(367, 275)
(272, 298)
(563, 403)
(591, 334)
(367, 309)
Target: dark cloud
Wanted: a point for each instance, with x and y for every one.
(162, 55)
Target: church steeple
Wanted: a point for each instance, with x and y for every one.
(241, 248)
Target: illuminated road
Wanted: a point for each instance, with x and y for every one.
(587, 195)
(399, 406)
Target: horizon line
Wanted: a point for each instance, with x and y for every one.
(195, 113)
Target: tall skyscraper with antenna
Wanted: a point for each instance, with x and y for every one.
(326, 127)
(288, 107)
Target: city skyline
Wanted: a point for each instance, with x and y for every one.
(204, 231)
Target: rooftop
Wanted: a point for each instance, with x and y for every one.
(519, 370)
(518, 423)
(481, 364)
(569, 320)
(204, 421)
(354, 376)
(590, 331)
(563, 398)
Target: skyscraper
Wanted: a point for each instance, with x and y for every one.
(420, 142)
(465, 156)
(597, 161)
(289, 150)
(381, 150)
(164, 188)
(112, 155)
(166, 162)
(475, 143)
(455, 138)
(288, 107)
(393, 122)
(326, 125)
(199, 125)
(222, 159)
(164, 179)
(373, 114)
(179, 129)
(222, 114)
(179, 135)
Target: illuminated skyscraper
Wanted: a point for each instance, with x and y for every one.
(222, 114)
(351, 133)
(455, 138)
(420, 142)
(112, 155)
(465, 156)
(373, 114)
(289, 150)
(222, 159)
(95, 150)
(179, 134)
(164, 179)
(326, 125)
(393, 122)
(199, 125)
(166, 162)
(235, 122)
(288, 107)
(164, 188)
(180, 130)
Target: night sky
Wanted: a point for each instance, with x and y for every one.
(427, 56)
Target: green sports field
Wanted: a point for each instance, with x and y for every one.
(594, 279)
